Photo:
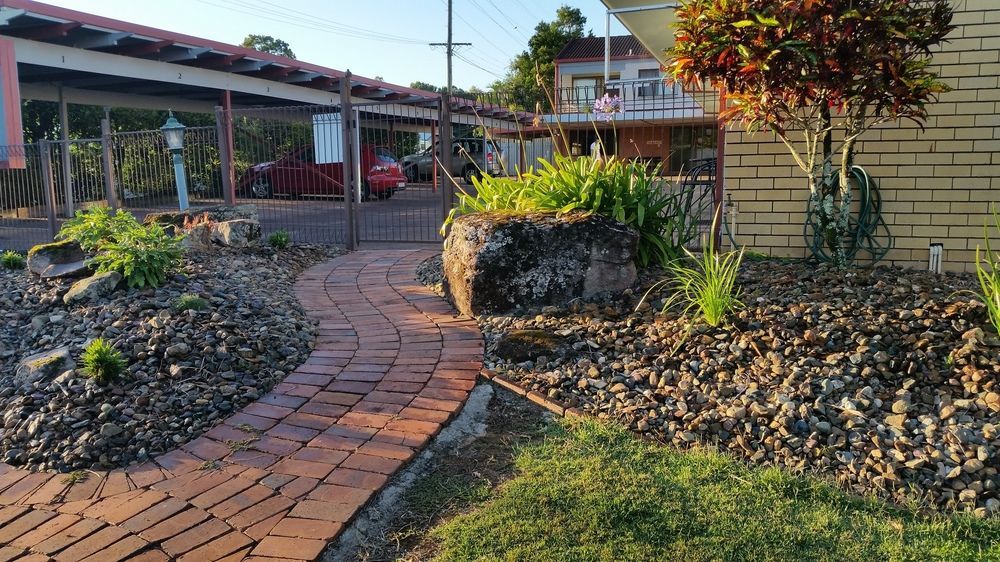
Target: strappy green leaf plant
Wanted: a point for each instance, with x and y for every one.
(988, 273)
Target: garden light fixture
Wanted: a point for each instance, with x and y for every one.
(173, 133)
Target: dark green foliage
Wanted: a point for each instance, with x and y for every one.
(279, 239)
(92, 227)
(623, 190)
(102, 362)
(189, 301)
(144, 256)
(12, 260)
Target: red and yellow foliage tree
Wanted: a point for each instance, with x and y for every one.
(813, 68)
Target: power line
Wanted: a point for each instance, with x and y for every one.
(473, 27)
(469, 62)
(310, 18)
(317, 25)
(498, 24)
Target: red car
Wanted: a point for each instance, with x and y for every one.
(295, 174)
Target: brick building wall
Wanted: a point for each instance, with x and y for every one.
(937, 184)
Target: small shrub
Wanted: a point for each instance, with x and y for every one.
(988, 273)
(704, 284)
(91, 228)
(623, 190)
(102, 362)
(279, 239)
(189, 301)
(12, 260)
(144, 255)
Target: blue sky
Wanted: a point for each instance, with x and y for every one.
(339, 33)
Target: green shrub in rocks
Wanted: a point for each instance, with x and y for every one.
(102, 362)
(144, 256)
(279, 239)
(189, 301)
(12, 260)
(90, 228)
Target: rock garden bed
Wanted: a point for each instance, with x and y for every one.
(882, 379)
(242, 331)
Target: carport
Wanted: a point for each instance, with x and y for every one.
(72, 57)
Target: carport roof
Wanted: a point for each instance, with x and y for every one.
(56, 27)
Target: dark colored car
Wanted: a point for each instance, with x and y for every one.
(297, 174)
(470, 158)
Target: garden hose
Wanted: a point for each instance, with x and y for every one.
(868, 236)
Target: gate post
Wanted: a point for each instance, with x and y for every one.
(107, 159)
(347, 142)
(447, 189)
(223, 130)
(48, 186)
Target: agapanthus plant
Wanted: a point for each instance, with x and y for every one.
(606, 107)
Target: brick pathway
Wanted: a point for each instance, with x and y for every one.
(279, 479)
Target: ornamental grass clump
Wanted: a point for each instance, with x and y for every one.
(102, 362)
(623, 190)
(988, 273)
(190, 301)
(12, 260)
(704, 285)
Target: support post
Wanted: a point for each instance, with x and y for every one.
(64, 156)
(108, 163)
(48, 186)
(720, 173)
(434, 155)
(224, 132)
(181, 176)
(347, 139)
(607, 47)
(447, 186)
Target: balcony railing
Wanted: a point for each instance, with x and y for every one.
(636, 96)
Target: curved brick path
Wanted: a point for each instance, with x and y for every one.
(279, 479)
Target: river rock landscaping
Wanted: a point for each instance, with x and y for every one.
(218, 334)
(883, 378)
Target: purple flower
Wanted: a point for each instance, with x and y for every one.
(606, 107)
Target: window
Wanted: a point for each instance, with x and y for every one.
(653, 84)
(384, 155)
(690, 144)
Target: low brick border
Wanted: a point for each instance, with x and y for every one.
(554, 406)
(279, 479)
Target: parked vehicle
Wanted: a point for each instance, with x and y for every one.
(297, 174)
(470, 157)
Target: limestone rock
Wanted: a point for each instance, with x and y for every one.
(237, 233)
(46, 364)
(499, 262)
(57, 259)
(94, 287)
(216, 213)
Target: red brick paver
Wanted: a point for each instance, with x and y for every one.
(281, 478)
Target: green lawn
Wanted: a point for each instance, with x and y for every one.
(592, 492)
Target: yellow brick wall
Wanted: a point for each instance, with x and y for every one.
(937, 185)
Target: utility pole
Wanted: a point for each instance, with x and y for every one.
(450, 48)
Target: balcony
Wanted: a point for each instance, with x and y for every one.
(641, 99)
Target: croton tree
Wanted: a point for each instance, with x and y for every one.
(815, 68)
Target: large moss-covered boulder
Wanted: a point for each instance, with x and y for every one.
(92, 288)
(57, 259)
(500, 262)
(44, 365)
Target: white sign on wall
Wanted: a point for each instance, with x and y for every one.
(328, 138)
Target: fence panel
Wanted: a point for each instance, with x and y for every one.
(288, 161)
(396, 153)
(144, 175)
(24, 214)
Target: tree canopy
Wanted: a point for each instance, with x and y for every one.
(268, 44)
(536, 64)
(812, 67)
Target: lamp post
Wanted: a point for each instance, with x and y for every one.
(173, 132)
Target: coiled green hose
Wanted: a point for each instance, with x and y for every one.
(869, 239)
